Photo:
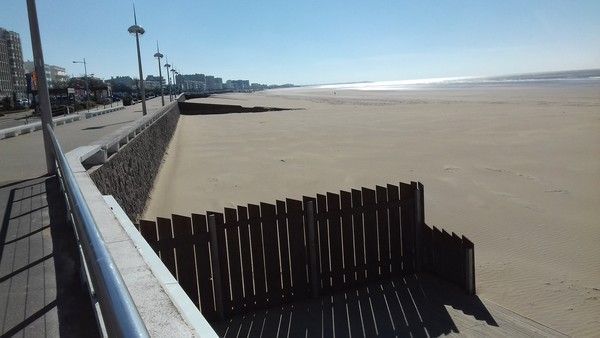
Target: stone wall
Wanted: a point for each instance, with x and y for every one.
(129, 174)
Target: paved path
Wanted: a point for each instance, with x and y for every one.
(22, 157)
(41, 293)
(14, 119)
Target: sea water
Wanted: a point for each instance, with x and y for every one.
(562, 78)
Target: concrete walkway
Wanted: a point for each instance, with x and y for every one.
(41, 293)
(23, 157)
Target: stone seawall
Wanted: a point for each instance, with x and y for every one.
(129, 174)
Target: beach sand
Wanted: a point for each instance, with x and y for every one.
(517, 170)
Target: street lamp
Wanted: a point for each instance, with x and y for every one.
(174, 79)
(138, 30)
(158, 56)
(87, 85)
(167, 65)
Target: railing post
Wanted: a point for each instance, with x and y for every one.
(216, 267)
(309, 211)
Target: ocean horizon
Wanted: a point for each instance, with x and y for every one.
(572, 77)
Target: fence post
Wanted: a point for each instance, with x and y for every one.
(216, 267)
(418, 223)
(309, 211)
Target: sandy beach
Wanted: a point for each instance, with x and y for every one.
(515, 169)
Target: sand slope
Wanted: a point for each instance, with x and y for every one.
(516, 170)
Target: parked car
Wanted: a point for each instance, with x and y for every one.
(127, 100)
(22, 103)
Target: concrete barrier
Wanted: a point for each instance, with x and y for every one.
(35, 126)
(163, 305)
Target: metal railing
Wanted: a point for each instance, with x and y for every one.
(119, 313)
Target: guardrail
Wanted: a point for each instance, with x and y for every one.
(118, 311)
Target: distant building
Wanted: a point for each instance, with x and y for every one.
(121, 84)
(237, 85)
(191, 82)
(152, 82)
(12, 75)
(55, 75)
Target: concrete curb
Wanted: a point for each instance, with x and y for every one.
(164, 307)
(187, 309)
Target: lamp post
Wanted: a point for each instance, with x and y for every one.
(87, 85)
(44, 97)
(158, 56)
(138, 30)
(167, 65)
(174, 79)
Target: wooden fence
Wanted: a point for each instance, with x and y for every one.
(259, 256)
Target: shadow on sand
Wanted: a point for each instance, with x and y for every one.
(413, 306)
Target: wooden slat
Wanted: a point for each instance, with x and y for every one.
(186, 269)
(370, 223)
(166, 255)
(427, 252)
(457, 264)
(357, 219)
(269, 226)
(446, 254)
(283, 249)
(335, 241)
(406, 215)
(383, 230)
(148, 231)
(258, 264)
(298, 249)
(246, 254)
(219, 219)
(469, 278)
(395, 230)
(204, 273)
(436, 237)
(323, 238)
(347, 236)
(234, 259)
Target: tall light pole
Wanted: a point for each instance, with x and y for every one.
(167, 65)
(138, 30)
(174, 80)
(44, 97)
(158, 56)
(87, 85)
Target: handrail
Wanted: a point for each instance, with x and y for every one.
(119, 312)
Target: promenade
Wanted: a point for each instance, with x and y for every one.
(41, 291)
(22, 157)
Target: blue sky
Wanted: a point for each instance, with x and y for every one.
(307, 41)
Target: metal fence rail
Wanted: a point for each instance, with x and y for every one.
(119, 313)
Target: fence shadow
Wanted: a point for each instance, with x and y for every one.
(412, 306)
(39, 268)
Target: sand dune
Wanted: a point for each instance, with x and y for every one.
(515, 169)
